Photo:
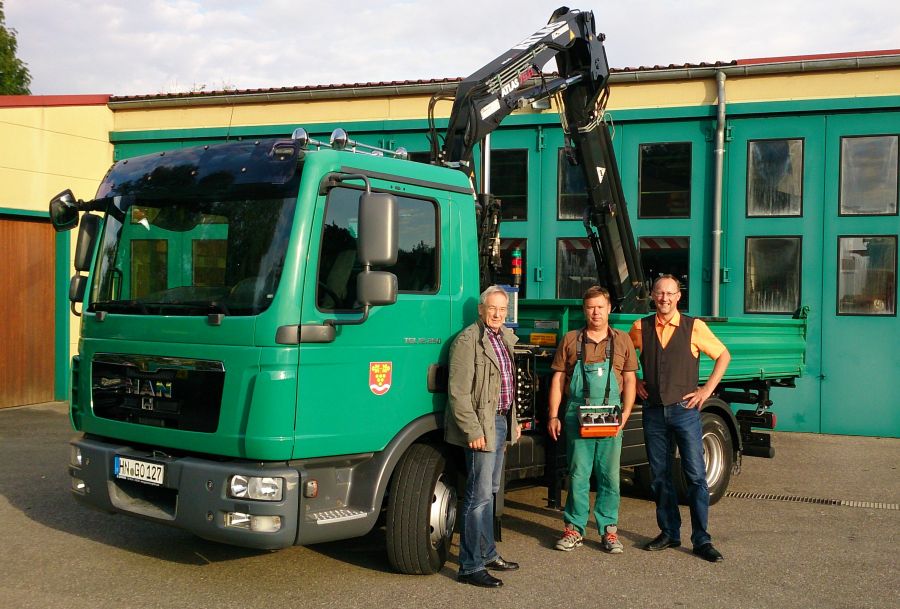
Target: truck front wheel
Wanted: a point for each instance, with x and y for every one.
(421, 511)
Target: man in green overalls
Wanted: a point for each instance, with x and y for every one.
(585, 357)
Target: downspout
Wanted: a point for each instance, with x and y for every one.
(715, 272)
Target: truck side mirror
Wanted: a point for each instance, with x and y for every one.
(378, 236)
(87, 235)
(64, 211)
(76, 288)
(375, 288)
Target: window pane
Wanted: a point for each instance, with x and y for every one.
(772, 275)
(867, 280)
(209, 261)
(416, 266)
(667, 256)
(572, 196)
(869, 175)
(509, 182)
(576, 269)
(775, 178)
(665, 180)
(505, 276)
(149, 266)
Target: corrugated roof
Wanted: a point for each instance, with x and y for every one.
(411, 85)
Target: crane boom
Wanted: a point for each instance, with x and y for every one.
(490, 94)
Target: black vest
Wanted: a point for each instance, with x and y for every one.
(672, 372)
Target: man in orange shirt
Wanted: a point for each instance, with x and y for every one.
(670, 345)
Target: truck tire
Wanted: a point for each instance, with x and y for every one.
(421, 512)
(718, 454)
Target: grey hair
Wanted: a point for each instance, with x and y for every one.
(492, 290)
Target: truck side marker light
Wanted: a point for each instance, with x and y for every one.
(311, 490)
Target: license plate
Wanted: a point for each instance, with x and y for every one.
(140, 471)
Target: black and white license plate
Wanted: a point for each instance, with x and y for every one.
(126, 468)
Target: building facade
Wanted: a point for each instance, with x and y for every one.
(806, 214)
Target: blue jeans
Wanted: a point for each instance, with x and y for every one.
(664, 428)
(483, 476)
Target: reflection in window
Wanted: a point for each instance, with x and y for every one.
(867, 279)
(209, 261)
(667, 256)
(572, 196)
(576, 269)
(149, 266)
(416, 267)
(772, 275)
(665, 180)
(505, 276)
(869, 175)
(509, 182)
(775, 177)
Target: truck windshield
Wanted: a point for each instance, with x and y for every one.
(191, 257)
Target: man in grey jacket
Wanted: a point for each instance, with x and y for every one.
(481, 417)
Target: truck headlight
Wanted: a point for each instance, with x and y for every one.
(75, 456)
(256, 487)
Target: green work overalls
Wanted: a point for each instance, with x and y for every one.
(600, 455)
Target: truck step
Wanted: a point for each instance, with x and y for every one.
(340, 515)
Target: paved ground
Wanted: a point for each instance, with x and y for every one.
(778, 553)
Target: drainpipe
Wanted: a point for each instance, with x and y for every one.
(717, 195)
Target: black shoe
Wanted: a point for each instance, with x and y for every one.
(498, 564)
(482, 579)
(708, 552)
(662, 542)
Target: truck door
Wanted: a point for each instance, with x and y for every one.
(356, 392)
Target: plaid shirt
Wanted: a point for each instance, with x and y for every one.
(506, 370)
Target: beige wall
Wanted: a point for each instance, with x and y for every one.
(48, 148)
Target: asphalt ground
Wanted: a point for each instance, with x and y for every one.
(815, 527)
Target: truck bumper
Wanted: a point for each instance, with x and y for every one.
(193, 495)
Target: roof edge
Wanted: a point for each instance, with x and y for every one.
(46, 101)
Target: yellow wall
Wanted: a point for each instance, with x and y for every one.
(48, 149)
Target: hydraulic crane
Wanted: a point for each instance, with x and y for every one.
(580, 90)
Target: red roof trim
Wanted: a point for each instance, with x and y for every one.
(849, 55)
(24, 101)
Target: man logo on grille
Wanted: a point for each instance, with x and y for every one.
(380, 377)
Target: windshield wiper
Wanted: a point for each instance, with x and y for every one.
(120, 306)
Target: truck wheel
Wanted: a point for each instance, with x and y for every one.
(421, 511)
(718, 454)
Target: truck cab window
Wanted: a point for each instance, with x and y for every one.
(417, 262)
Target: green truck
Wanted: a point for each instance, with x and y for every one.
(265, 324)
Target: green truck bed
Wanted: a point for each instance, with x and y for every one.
(761, 348)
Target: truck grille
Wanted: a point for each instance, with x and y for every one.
(168, 392)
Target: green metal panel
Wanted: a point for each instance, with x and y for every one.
(860, 358)
(337, 411)
(799, 408)
(699, 225)
(62, 378)
(766, 348)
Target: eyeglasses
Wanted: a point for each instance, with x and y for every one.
(668, 294)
